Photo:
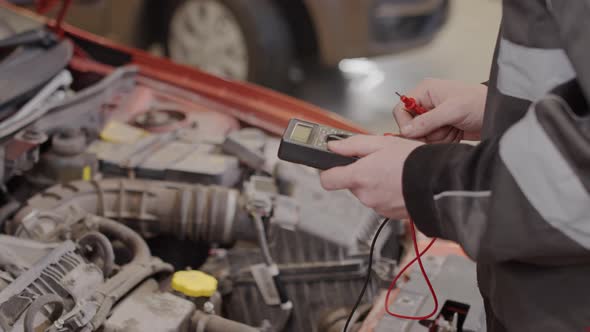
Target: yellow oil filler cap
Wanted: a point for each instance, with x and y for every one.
(194, 283)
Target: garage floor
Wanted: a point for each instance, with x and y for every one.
(363, 89)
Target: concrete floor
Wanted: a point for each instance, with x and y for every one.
(363, 89)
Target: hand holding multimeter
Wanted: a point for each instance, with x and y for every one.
(307, 143)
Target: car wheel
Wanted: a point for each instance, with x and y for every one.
(236, 39)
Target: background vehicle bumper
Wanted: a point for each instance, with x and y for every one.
(389, 26)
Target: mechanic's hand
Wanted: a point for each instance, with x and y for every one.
(376, 178)
(456, 112)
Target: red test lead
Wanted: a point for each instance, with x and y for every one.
(411, 105)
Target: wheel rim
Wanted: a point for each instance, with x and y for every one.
(206, 34)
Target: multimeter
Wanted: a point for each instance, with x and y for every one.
(307, 143)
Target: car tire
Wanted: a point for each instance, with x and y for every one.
(267, 41)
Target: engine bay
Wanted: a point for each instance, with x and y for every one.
(131, 204)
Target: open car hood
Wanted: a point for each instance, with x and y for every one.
(252, 104)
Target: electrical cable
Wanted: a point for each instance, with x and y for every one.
(368, 278)
(400, 273)
(262, 242)
(286, 304)
(414, 108)
(424, 274)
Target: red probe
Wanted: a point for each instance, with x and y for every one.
(413, 108)
(411, 105)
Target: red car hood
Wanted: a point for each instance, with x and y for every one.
(254, 105)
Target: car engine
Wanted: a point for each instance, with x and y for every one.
(129, 204)
(106, 179)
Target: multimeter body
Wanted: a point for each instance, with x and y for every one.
(307, 143)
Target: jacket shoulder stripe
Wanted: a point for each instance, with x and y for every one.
(546, 179)
(529, 73)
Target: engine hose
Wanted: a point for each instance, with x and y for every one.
(38, 305)
(142, 266)
(141, 251)
(212, 323)
(123, 282)
(98, 242)
(210, 214)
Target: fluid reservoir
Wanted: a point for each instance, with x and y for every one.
(198, 287)
(66, 160)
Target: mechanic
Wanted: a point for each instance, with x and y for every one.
(518, 202)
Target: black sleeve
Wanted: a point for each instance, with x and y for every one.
(521, 196)
(524, 195)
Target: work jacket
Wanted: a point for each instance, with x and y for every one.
(519, 201)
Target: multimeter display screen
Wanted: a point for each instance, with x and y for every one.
(301, 133)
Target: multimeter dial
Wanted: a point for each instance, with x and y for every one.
(307, 143)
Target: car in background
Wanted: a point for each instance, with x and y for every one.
(263, 41)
